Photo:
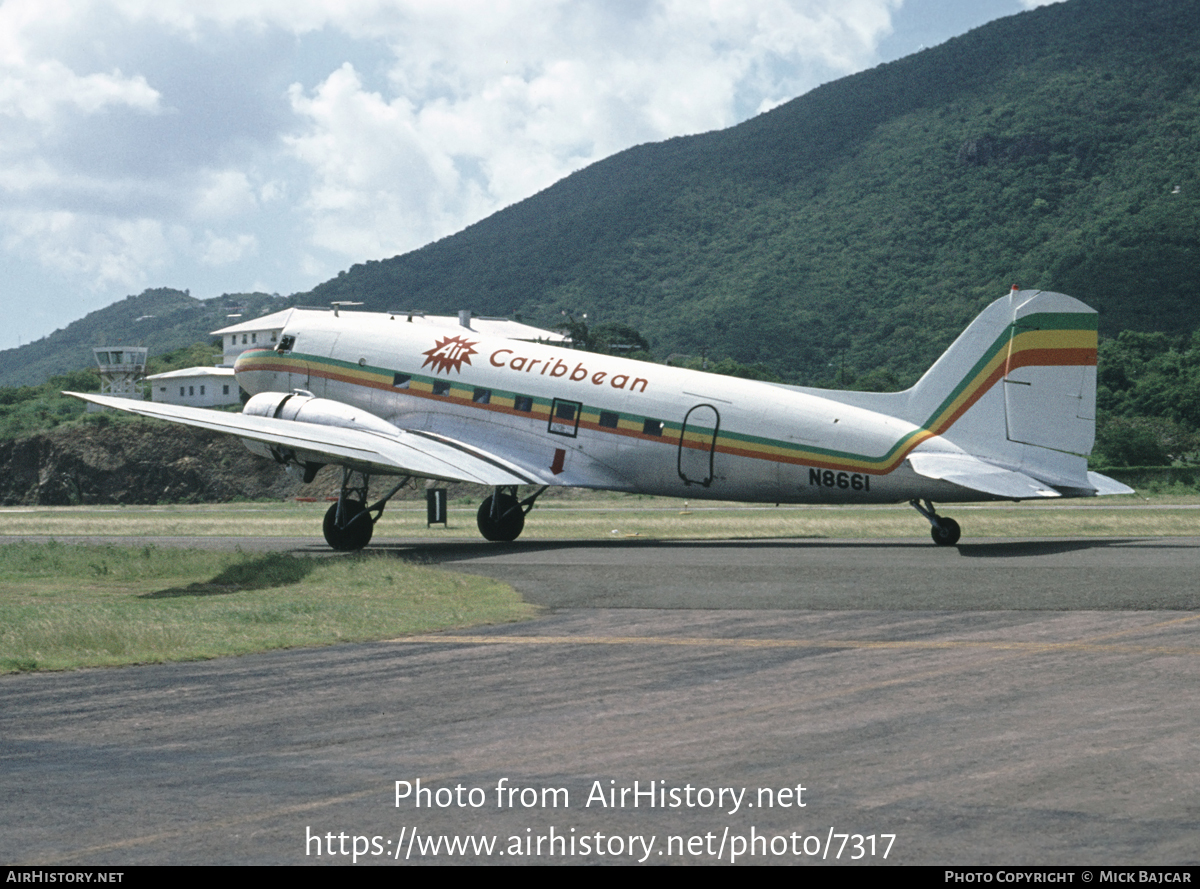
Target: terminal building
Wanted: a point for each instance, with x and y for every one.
(196, 386)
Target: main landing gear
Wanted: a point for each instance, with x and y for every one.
(501, 517)
(945, 531)
(349, 523)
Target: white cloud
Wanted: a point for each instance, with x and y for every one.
(36, 92)
(485, 105)
(99, 251)
(142, 139)
(222, 251)
(223, 194)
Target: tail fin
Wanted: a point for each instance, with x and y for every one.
(1017, 389)
(1023, 373)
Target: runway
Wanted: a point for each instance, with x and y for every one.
(1002, 702)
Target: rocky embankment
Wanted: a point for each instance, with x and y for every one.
(141, 463)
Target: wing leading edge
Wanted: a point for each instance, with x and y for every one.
(406, 452)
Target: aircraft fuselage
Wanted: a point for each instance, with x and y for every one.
(598, 421)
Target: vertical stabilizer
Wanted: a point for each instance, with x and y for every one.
(1017, 388)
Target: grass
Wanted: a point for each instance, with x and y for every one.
(593, 517)
(65, 606)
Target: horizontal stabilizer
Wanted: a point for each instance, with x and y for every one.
(405, 453)
(1105, 485)
(969, 472)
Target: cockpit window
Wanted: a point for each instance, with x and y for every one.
(285, 344)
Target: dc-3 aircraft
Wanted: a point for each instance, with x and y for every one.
(1007, 413)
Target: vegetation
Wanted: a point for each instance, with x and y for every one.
(195, 355)
(28, 409)
(861, 226)
(162, 318)
(845, 238)
(1148, 399)
(73, 606)
(25, 410)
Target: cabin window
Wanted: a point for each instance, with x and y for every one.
(441, 387)
(482, 396)
(564, 417)
(401, 381)
(523, 403)
(652, 427)
(609, 420)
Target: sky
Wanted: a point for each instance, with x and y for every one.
(266, 145)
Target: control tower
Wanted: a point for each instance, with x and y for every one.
(121, 370)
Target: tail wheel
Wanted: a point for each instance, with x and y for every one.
(355, 530)
(505, 523)
(946, 532)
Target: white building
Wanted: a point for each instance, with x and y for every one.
(195, 386)
(257, 333)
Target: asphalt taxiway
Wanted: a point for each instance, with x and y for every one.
(1001, 702)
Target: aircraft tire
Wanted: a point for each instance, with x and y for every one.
(355, 533)
(510, 524)
(946, 532)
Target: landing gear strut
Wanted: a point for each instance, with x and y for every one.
(501, 517)
(349, 523)
(945, 531)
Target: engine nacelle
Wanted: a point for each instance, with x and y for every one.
(304, 407)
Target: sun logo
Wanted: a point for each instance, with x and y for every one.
(449, 354)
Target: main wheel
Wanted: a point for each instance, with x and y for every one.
(946, 532)
(510, 521)
(355, 531)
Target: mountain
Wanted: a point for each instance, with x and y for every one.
(163, 319)
(859, 227)
(865, 223)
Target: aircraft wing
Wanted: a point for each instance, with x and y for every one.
(408, 452)
(976, 475)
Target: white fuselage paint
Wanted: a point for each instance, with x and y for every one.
(772, 444)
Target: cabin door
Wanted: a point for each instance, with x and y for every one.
(697, 442)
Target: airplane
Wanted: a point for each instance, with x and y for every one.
(1007, 413)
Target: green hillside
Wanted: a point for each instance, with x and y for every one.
(865, 223)
(162, 319)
